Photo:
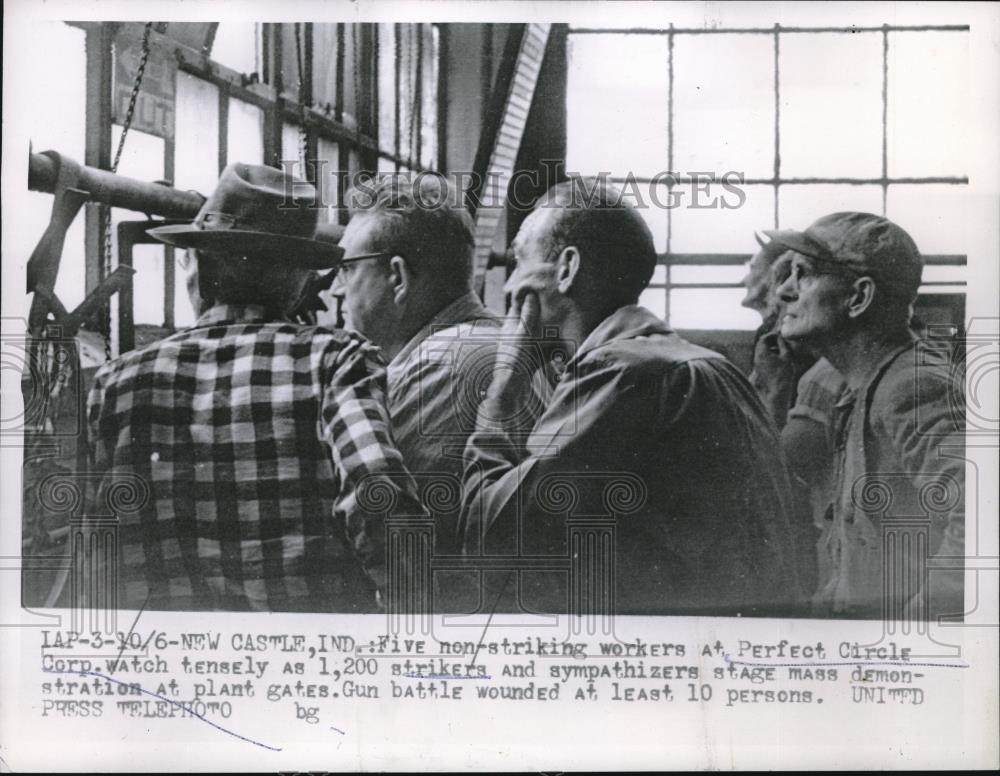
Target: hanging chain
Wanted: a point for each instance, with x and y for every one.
(129, 112)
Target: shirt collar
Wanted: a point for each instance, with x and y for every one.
(464, 309)
(626, 322)
(235, 313)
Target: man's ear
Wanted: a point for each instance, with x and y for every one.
(401, 278)
(567, 268)
(862, 296)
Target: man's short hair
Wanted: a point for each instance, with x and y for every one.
(614, 241)
(418, 220)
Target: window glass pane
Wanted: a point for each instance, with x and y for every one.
(352, 64)
(183, 311)
(724, 104)
(407, 89)
(290, 147)
(719, 228)
(944, 273)
(386, 165)
(616, 103)
(329, 153)
(292, 46)
(659, 275)
(654, 300)
(142, 159)
(800, 205)
(714, 308)
(57, 123)
(245, 133)
(429, 98)
(928, 107)
(196, 141)
(324, 56)
(936, 216)
(831, 105)
(387, 87)
(236, 45)
(707, 274)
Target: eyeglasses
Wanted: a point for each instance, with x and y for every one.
(363, 257)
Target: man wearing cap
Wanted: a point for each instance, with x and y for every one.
(652, 481)
(256, 437)
(895, 534)
(406, 282)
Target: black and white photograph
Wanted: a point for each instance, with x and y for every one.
(522, 382)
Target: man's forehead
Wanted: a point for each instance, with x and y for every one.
(534, 227)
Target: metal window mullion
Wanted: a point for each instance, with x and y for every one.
(885, 117)
(667, 280)
(777, 122)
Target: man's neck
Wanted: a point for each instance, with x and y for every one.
(413, 322)
(858, 354)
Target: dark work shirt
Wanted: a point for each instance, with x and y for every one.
(665, 441)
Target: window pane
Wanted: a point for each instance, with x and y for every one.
(726, 227)
(654, 300)
(291, 147)
(724, 104)
(945, 273)
(352, 64)
(196, 141)
(928, 104)
(800, 205)
(245, 133)
(429, 99)
(708, 274)
(387, 87)
(936, 216)
(831, 105)
(407, 89)
(236, 45)
(329, 153)
(57, 123)
(324, 56)
(292, 47)
(715, 308)
(616, 104)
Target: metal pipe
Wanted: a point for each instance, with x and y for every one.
(153, 199)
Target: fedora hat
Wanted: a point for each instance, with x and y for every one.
(257, 211)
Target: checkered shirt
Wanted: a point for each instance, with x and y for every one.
(255, 437)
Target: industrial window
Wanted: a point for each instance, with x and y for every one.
(357, 97)
(813, 120)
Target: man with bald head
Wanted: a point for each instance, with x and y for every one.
(664, 438)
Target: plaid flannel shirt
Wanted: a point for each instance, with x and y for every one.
(254, 437)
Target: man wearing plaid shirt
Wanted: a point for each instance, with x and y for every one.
(259, 438)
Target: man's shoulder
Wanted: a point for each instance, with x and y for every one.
(920, 380)
(652, 354)
(160, 354)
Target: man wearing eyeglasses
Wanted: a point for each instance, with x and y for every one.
(660, 444)
(406, 283)
(895, 535)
